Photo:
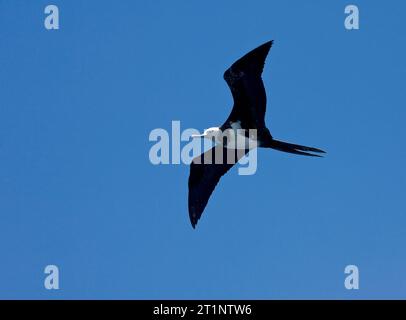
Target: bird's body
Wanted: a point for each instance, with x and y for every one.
(234, 137)
(243, 130)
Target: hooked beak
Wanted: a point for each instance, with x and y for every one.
(197, 135)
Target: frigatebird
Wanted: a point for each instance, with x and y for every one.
(247, 115)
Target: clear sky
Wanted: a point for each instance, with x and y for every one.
(77, 188)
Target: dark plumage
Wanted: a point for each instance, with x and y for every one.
(248, 91)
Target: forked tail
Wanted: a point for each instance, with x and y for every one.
(295, 148)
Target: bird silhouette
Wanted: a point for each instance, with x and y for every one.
(235, 137)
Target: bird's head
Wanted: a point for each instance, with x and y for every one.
(208, 133)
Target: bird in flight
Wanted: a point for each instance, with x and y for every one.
(243, 130)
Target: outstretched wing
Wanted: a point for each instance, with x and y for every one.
(205, 172)
(247, 88)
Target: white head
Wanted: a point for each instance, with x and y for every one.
(208, 133)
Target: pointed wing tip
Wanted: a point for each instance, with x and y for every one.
(264, 48)
(256, 58)
(193, 221)
(193, 216)
(268, 44)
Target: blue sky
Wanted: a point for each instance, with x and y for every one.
(77, 188)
